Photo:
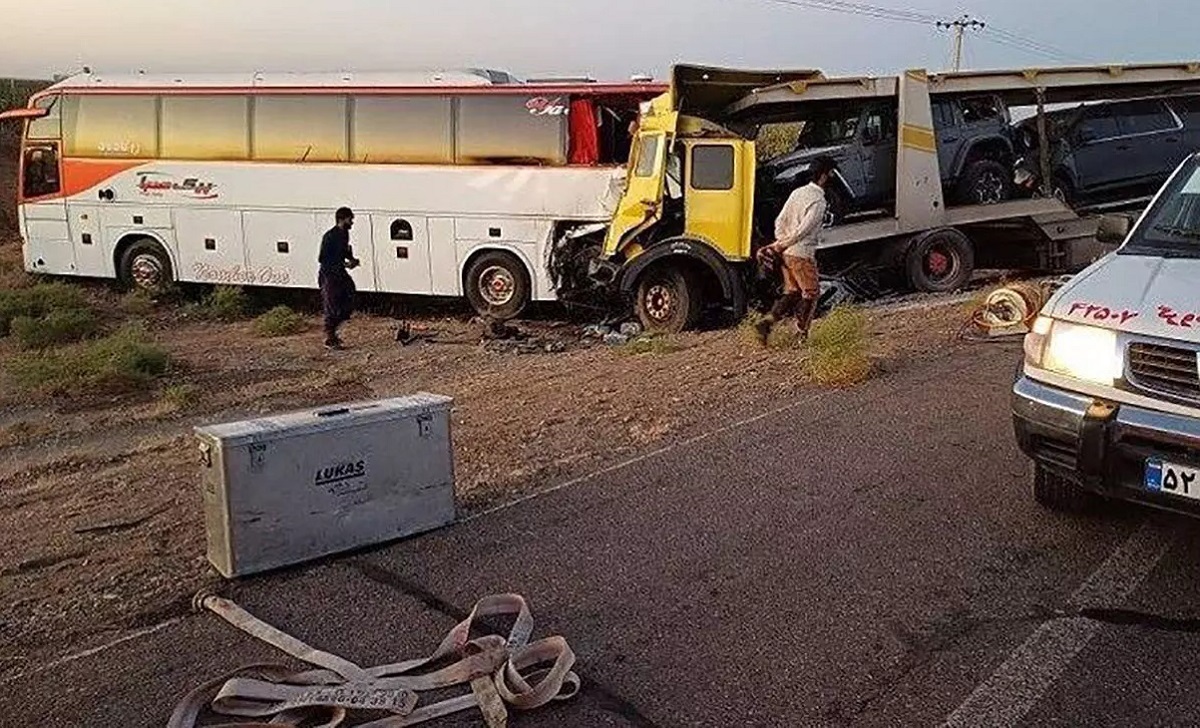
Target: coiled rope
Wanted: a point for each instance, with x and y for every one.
(1009, 310)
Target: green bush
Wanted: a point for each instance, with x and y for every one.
(226, 303)
(280, 321)
(36, 302)
(121, 362)
(62, 326)
(838, 348)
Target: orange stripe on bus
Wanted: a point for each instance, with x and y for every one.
(80, 175)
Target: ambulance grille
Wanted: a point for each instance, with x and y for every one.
(1166, 370)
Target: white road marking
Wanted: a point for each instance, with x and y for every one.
(646, 456)
(1021, 681)
(93, 651)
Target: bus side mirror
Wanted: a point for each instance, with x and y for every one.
(1113, 229)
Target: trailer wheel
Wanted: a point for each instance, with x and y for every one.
(985, 182)
(145, 265)
(1056, 493)
(497, 285)
(940, 261)
(668, 300)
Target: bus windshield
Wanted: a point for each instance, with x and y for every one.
(1172, 226)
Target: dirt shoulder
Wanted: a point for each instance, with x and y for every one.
(99, 497)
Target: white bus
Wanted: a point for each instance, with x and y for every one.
(462, 183)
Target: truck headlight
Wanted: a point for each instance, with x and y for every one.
(1088, 353)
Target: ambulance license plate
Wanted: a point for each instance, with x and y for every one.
(1180, 480)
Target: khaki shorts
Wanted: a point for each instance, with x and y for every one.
(800, 276)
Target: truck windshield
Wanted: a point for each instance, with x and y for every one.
(827, 131)
(1172, 226)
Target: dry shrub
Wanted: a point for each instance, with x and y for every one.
(127, 360)
(651, 344)
(839, 348)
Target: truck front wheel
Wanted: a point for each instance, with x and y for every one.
(668, 300)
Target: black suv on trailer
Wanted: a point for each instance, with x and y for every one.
(975, 154)
(1115, 151)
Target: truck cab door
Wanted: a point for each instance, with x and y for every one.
(720, 195)
(642, 203)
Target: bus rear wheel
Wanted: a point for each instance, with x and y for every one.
(146, 266)
(668, 300)
(497, 285)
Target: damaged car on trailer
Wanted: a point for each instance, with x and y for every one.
(1108, 402)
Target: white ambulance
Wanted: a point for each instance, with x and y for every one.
(1108, 402)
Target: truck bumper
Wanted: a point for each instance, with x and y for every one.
(1103, 446)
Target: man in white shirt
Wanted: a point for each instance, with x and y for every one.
(797, 231)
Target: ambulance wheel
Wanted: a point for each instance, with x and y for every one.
(144, 264)
(497, 285)
(1056, 493)
(668, 300)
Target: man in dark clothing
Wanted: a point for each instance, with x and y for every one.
(337, 287)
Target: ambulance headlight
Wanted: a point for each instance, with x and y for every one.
(1088, 353)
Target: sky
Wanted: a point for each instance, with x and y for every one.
(606, 39)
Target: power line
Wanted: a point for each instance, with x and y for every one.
(1052, 55)
(872, 11)
(1032, 44)
(990, 33)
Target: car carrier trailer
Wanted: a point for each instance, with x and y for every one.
(684, 234)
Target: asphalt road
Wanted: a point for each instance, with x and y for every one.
(860, 558)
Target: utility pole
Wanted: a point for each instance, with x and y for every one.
(959, 26)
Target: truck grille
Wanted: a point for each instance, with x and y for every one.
(1164, 370)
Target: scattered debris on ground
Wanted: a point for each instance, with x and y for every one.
(109, 475)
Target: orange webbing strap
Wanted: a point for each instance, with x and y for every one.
(501, 671)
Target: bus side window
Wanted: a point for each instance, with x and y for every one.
(41, 170)
(402, 230)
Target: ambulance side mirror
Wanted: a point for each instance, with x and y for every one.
(1113, 229)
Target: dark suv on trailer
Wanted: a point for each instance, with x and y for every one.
(975, 154)
(1115, 151)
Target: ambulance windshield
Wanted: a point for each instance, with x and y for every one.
(1172, 225)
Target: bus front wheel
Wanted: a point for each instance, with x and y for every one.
(145, 265)
(497, 285)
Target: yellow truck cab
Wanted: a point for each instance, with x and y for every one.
(684, 233)
(681, 236)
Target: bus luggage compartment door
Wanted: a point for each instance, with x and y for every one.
(93, 254)
(401, 249)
